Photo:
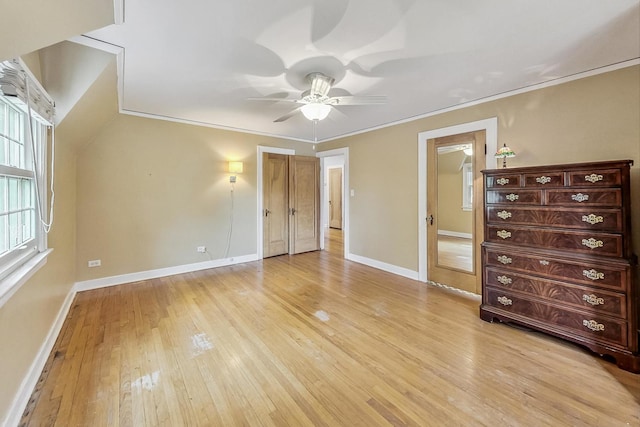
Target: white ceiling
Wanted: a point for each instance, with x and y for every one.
(200, 60)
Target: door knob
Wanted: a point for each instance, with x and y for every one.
(430, 219)
(293, 211)
(267, 212)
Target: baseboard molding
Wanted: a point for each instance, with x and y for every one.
(161, 272)
(35, 370)
(389, 268)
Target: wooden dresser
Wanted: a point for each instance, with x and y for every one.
(557, 255)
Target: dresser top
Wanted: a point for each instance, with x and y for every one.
(611, 164)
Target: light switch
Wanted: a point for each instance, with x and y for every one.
(353, 192)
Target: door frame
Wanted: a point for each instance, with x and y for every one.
(490, 126)
(263, 149)
(344, 152)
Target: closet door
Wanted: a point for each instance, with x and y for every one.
(304, 204)
(275, 192)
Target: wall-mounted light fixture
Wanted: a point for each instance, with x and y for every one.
(234, 169)
(503, 153)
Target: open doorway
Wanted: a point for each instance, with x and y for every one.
(335, 163)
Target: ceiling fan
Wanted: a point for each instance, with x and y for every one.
(316, 102)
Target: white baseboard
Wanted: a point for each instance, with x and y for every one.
(161, 272)
(390, 268)
(455, 234)
(30, 380)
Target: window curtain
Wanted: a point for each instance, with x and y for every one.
(13, 82)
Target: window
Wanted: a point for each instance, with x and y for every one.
(24, 135)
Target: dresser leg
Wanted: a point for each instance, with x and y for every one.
(629, 363)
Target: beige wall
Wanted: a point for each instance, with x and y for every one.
(29, 25)
(586, 120)
(151, 191)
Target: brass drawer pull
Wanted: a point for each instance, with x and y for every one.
(543, 180)
(593, 325)
(504, 280)
(592, 243)
(512, 197)
(580, 197)
(503, 234)
(593, 300)
(502, 181)
(505, 301)
(592, 219)
(504, 214)
(593, 274)
(593, 178)
(504, 259)
(544, 262)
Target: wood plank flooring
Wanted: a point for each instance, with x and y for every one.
(313, 340)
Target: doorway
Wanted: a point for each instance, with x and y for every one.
(329, 159)
(428, 270)
(291, 204)
(454, 220)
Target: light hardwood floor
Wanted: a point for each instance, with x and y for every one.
(313, 340)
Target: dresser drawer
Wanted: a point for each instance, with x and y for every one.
(514, 197)
(586, 218)
(549, 179)
(502, 181)
(584, 197)
(581, 297)
(593, 326)
(585, 242)
(595, 273)
(595, 178)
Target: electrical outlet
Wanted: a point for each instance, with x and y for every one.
(201, 249)
(95, 263)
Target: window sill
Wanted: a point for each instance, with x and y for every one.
(15, 280)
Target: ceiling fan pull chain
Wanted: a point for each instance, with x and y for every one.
(315, 135)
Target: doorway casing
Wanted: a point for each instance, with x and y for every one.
(344, 152)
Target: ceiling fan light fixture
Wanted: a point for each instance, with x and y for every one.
(315, 111)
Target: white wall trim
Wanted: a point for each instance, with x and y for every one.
(118, 12)
(260, 151)
(455, 234)
(346, 194)
(10, 284)
(113, 49)
(161, 272)
(490, 126)
(389, 268)
(538, 86)
(30, 380)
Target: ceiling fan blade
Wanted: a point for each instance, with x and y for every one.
(357, 100)
(288, 115)
(274, 99)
